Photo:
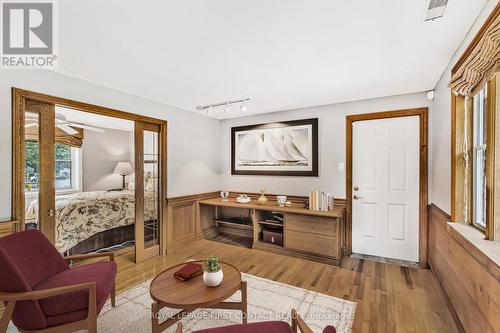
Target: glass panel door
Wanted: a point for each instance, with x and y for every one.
(39, 170)
(148, 190)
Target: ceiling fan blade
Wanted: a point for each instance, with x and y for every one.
(67, 129)
(90, 128)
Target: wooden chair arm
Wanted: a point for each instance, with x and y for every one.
(11, 298)
(40, 294)
(110, 255)
(298, 322)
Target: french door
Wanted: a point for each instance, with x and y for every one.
(35, 173)
(39, 156)
(149, 175)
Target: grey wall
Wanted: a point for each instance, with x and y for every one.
(441, 137)
(100, 152)
(193, 150)
(332, 144)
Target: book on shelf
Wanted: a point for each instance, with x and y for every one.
(320, 200)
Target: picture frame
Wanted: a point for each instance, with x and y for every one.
(285, 148)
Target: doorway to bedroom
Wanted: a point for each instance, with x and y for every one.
(91, 179)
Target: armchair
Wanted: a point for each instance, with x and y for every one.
(264, 327)
(41, 293)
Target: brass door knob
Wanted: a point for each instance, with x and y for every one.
(356, 197)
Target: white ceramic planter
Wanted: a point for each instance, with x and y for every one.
(213, 279)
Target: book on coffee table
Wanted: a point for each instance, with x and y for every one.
(188, 271)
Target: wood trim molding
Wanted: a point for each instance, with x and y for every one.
(91, 108)
(422, 113)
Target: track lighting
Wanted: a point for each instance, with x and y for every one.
(226, 105)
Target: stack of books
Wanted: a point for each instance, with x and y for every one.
(320, 200)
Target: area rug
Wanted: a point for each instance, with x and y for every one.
(267, 300)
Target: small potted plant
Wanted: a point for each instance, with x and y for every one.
(213, 273)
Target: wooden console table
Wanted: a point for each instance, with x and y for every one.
(308, 234)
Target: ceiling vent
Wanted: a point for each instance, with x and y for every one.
(435, 9)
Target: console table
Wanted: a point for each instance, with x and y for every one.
(304, 233)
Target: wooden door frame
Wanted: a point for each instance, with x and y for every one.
(19, 97)
(422, 113)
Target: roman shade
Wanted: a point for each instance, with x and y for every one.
(479, 66)
(72, 140)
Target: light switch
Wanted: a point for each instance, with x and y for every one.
(341, 166)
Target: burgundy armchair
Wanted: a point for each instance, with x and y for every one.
(41, 293)
(265, 327)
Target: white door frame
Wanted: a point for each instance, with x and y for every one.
(422, 113)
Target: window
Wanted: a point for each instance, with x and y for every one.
(63, 167)
(67, 167)
(479, 135)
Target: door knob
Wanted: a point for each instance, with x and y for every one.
(356, 197)
(355, 188)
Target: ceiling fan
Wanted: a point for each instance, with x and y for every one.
(62, 124)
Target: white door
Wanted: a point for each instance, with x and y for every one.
(385, 179)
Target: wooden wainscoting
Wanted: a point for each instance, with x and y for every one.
(182, 219)
(468, 277)
(8, 228)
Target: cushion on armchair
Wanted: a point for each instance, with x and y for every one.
(30, 262)
(27, 258)
(102, 273)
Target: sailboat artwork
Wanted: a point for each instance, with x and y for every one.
(274, 149)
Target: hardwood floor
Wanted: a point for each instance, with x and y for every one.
(390, 298)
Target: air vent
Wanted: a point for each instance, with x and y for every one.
(435, 9)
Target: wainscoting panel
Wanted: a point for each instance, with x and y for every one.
(182, 224)
(470, 279)
(7, 228)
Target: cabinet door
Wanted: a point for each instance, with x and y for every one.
(312, 243)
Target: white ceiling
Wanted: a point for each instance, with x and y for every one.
(95, 120)
(282, 54)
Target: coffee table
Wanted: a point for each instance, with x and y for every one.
(167, 291)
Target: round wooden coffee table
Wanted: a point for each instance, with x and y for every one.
(167, 291)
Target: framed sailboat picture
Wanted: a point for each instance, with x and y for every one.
(288, 148)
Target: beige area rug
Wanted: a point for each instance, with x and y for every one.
(267, 300)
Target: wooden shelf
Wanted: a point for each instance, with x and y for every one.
(271, 223)
(234, 224)
(294, 209)
(269, 245)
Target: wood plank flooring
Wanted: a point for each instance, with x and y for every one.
(390, 298)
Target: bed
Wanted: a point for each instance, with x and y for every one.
(105, 216)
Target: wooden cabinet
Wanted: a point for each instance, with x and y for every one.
(317, 236)
(311, 224)
(308, 234)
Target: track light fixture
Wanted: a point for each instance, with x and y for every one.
(226, 105)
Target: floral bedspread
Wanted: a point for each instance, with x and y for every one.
(82, 215)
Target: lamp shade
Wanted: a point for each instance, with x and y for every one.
(123, 168)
